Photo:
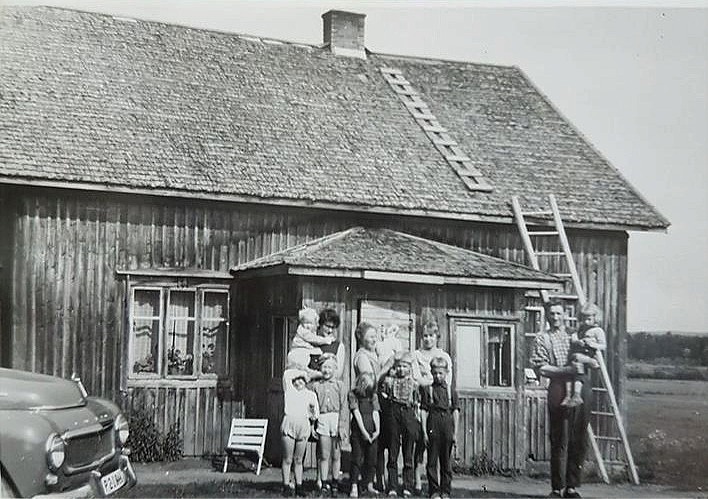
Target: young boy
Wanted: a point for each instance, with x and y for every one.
(440, 412)
(583, 347)
(332, 423)
(401, 390)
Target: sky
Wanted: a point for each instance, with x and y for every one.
(631, 76)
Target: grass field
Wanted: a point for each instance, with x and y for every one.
(668, 431)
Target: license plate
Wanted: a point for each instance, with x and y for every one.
(112, 481)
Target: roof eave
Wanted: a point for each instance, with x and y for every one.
(296, 203)
(402, 277)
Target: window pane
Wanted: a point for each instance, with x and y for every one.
(468, 339)
(179, 336)
(384, 314)
(499, 364)
(146, 303)
(215, 305)
(214, 347)
(145, 337)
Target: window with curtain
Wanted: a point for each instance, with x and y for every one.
(178, 332)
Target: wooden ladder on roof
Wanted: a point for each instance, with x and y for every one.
(603, 409)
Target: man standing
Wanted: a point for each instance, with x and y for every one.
(567, 424)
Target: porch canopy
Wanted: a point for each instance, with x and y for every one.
(386, 255)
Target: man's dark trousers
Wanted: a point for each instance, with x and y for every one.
(568, 432)
(440, 427)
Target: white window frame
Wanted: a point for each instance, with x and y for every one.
(484, 325)
(165, 291)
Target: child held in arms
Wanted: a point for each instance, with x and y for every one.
(306, 337)
(584, 346)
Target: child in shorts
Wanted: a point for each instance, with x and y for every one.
(332, 423)
(301, 406)
(583, 348)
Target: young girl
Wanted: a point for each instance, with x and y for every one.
(583, 347)
(365, 427)
(332, 422)
(301, 406)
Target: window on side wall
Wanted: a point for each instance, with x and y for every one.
(178, 332)
(485, 354)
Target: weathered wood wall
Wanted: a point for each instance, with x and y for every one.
(67, 306)
(202, 412)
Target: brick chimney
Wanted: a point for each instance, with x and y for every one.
(344, 33)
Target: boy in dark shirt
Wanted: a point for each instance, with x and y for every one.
(440, 412)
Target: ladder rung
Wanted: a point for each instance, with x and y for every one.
(536, 213)
(457, 158)
(601, 413)
(602, 437)
(598, 389)
(561, 274)
(549, 253)
(543, 233)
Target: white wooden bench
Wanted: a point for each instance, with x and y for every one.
(247, 435)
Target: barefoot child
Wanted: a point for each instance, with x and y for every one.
(332, 422)
(583, 347)
(301, 407)
(440, 416)
(365, 427)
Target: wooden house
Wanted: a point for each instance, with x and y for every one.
(170, 197)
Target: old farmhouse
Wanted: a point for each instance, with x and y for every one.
(170, 197)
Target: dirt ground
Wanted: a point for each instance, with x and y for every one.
(668, 431)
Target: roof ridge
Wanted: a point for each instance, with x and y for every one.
(418, 58)
(129, 19)
(449, 248)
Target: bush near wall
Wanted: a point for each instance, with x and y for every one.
(148, 444)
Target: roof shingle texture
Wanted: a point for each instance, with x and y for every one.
(90, 98)
(387, 250)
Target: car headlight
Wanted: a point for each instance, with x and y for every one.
(121, 427)
(55, 452)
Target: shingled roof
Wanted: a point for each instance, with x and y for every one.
(385, 254)
(96, 102)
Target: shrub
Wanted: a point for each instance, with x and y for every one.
(148, 444)
(481, 465)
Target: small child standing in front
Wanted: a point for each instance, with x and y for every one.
(306, 337)
(332, 422)
(365, 428)
(440, 411)
(401, 390)
(389, 344)
(583, 347)
(301, 407)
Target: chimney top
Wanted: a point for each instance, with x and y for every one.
(343, 32)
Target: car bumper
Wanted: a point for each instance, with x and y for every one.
(93, 488)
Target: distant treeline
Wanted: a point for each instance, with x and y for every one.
(671, 348)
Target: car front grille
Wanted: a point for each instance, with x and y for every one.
(89, 449)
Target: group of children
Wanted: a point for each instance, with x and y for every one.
(404, 404)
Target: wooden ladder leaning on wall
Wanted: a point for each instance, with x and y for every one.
(606, 389)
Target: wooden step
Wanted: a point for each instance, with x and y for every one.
(602, 413)
(602, 437)
(598, 389)
(550, 253)
(537, 213)
(543, 233)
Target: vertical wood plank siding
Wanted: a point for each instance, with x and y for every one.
(67, 309)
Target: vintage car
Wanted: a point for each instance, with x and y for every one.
(57, 441)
